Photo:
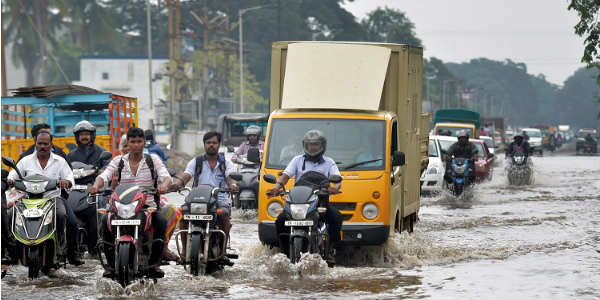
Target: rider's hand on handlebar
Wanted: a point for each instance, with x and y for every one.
(234, 188)
(162, 189)
(64, 184)
(93, 190)
(333, 190)
(274, 191)
(10, 182)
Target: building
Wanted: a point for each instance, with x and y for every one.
(128, 76)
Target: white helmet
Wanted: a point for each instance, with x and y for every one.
(253, 130)
(314, 136)
(84, 126)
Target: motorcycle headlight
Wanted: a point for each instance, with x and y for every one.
(35, 187)
(49, 217)
(433, 170)
(370, 211)
(198, 208)
(274, 209)
(126, 211)
(519, 159)
(299, 211)
(459, 169)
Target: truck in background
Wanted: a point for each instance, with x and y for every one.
(366, 99)
(452, 121)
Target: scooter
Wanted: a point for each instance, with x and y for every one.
(80, 201)
(250, 171)
(308, 229)
(206, 242)
(34, 221)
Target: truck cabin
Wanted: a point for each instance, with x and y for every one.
(452, 129)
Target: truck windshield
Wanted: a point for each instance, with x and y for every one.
(353, 144)
(432, 149)
(453, 131)
(238, 128)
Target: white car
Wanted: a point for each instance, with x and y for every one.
(489, 142)
(535, 139)
(433, 177)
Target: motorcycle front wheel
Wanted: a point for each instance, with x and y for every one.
(123, 267)
(196, 266)
(33, 262)
(296, 249)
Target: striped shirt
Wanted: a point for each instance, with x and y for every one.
(143, 177)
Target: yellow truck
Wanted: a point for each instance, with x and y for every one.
(366, 99)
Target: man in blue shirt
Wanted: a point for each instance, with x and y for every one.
(312, 160)
(215, 171)
(153, 147)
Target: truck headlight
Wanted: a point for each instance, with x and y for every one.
(370, 211)
(274, 209)
(299, 211)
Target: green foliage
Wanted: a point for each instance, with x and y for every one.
(389, 25)
(576, 101)
(68, 54)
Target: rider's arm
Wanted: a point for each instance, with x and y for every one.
(188, 174)
(164, 179)
(66, 173)
(335, 188)
(283, 179)
(230, 182)
(104, 177)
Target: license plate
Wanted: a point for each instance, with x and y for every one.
(33, 213)
(198, 217)
(80, 187)
(299, 223)
(125, 222)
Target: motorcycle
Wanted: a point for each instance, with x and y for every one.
(133, 243)
(34, 221)
(519, 171)
(79, 199)
(206, 243)
(460, 169)
(588, 148)
(250, 170)
(308, 229)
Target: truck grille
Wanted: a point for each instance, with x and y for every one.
(348, 206)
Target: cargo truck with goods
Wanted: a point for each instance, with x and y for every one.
(452, 121)
(366, 99)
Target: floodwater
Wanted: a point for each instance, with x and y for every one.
(538, 241)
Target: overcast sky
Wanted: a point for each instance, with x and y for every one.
(538, 33)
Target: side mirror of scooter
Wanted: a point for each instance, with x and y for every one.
(398, 159)
(253, 155)
(235, 176)
(11, 163)
(335, 178)
(270, 178)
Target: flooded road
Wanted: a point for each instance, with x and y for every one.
(539, 241)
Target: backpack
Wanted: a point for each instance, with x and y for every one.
(200, 162)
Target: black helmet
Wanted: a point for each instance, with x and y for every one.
(84, 126)
(314, 136)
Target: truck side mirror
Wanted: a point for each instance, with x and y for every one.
(253, 155)
(270, 178)
(398, 159)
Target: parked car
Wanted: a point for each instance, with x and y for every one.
(484, 161)
(433, 177)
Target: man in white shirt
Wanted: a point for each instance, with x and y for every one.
(44, 162)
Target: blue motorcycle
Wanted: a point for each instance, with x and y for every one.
(460, 169)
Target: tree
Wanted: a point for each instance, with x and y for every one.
(589, 24)
(576, 100)
(389, 25)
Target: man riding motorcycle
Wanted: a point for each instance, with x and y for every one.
(518, 145)
(144, 170)
(253, 134)
(461, 149)
(212, 168)
(313, 159)
(152, 147)
(46, 163)
(88, 153)
(35, 130)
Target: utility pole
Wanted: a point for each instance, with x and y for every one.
(172, 70)
(149, 32)
(4, 88)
